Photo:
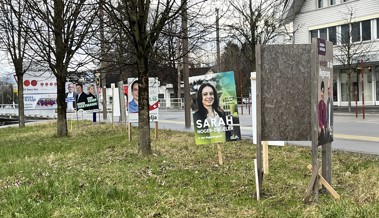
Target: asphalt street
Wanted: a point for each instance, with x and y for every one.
(350, 133)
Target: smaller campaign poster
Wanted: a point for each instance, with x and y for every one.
(133, 87)
(40, 101)
(325, 92)
(81, 96)
(215, 108)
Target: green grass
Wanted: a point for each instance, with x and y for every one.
(96, 172)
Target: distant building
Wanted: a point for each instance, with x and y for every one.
(327, 19)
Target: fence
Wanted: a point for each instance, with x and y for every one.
(172, 103)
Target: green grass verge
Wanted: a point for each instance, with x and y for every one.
(96, 172)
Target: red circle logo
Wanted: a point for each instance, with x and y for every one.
(26, 83)
(34, 82)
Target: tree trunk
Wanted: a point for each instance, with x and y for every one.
(143, 106)
(61, 102)
(21, 105)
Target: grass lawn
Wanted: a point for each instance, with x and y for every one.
(96, 172)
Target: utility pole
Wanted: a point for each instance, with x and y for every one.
(218, 42)
(187, 96)
(102, 65)
(178, 67)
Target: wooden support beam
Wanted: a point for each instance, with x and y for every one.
(308, 193)
(219, 151)
(156, 130)
(265, 157)
(326, 185)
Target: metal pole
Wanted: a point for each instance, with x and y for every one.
(187, 105)
(218, 42)
(363, 90)
(356, 104)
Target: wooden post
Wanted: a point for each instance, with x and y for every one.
(258, 188)
(219, 151)
(130, 131)
(326, 185)
(314, 120)
(265, 157)
(311, 185)
(156, 129)
(327, 162)
(113, 87)
(121, 96)
(259, 123)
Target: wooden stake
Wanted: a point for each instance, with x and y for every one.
(156, 129)
(257, 179)
(219, 151)
(265, 157)
(311, 185)
(326, 185)
(130, 131)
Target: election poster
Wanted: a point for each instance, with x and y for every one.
(215, 108)
(133, 99)
(81, 96)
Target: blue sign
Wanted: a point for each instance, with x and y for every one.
(70, 99)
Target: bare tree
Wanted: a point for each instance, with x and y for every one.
(14, 19)
(257, 22)
(351, 49)
(142, 22)
(60, 28)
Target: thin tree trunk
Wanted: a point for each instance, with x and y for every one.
(143, 107)
(21, 105)
(61, 102)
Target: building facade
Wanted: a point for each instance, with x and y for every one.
(346, 23)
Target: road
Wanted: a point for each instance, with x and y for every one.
(351, 134)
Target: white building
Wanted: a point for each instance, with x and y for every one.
(333, 20)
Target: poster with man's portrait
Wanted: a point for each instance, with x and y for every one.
(325, 94)
(133, 88)
(81, 96)
(215, 108)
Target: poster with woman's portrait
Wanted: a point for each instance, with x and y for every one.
(215, 109)
(81, 96)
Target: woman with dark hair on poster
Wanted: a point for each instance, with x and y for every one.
(210, 120)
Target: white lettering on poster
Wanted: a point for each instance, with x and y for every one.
(324, 74)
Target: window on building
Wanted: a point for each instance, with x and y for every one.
(377, 82)
(345, 34)
(319, 3)
(314, 34)
(366, 30)
(323, 34)
(332, 2)
(356, 32)
(377, 28)
(332, 35)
